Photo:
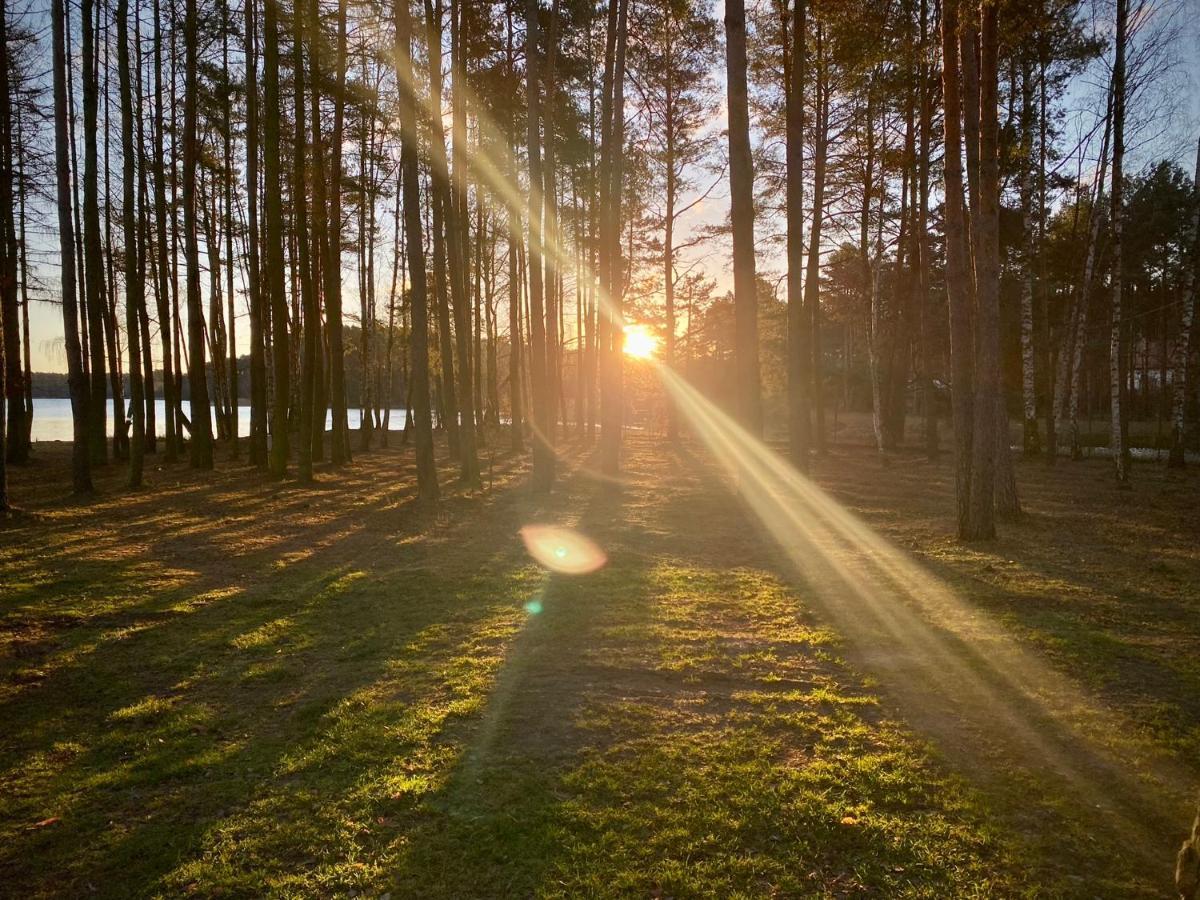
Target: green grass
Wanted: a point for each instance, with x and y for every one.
(224, 688)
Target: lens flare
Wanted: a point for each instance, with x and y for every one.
(562, 550)
(640, 342)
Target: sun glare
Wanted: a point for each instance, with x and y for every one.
(640, 342)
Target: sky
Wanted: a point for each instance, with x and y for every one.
(1177, 140)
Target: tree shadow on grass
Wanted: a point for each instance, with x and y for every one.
(667, 725)
(154, 732)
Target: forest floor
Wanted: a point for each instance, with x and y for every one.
(221, 685)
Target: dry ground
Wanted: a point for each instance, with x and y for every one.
(226, 686)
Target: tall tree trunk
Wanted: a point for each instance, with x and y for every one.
(80, 398)
(612, 338)
(1187, 318)
(741, 199)
(1117, 391)
(551, 233)
(162, 294)
(231, 313)
(1069, 377)
(275, 282)
(318, 252)
(308, 298)
(201, 442)
(397, 282)
(924, 301)
(543, 448)
(427, 486)
(8, 286)
(958, 292)
(332, 269)
(143, 231)
(985, 230)
(21, 234)
(812, 283)
(258, 361)
(799, 324)
(457, 217)
(93, 249)
(14, 441)
(1031, 442)
(134, 286)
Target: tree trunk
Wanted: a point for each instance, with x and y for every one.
(958, 292)
(1031, 438)
(201, 442)
(457, 218)
(812, 282)
(332, 268)
(231, 313)
(308, 297)
(8, 286)
(1118, 425)
(93, 249)
(516, 425)
(143, 233)
(741, 199)
(543, 448)
(612, 401)
(799, 324)
(258, 361)
(1183, 340)
(275, 283)
(80, 397)
(551, 233)
(924, 301)
(162, 294)
(134, 286)
(14, 442)
(427, 486)
(985, 230)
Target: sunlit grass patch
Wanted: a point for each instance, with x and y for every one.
(384, 713)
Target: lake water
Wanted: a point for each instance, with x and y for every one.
(52, 418)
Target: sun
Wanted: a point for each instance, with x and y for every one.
(640, 342)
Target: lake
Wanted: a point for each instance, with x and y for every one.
(52, 418)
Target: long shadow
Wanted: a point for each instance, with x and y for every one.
(155, 739)
(994, 711)
(505, 812)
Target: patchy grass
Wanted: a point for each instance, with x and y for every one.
(223, 686)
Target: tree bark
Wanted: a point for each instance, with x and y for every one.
(741, 199)
(1031, 442)
(457, 219)
(201, 441)
(427, 486)
(1117, 391)
(308, 298)
(275, 283)
(543, 448)
(985, 229)
(134, 287)
(93, 273)
(958, 292)
(332, 269)
(80, 398)
(1183, 340)
(258, 361)
(798, 346)
(14, 436)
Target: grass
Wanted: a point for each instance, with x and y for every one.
(221, 686)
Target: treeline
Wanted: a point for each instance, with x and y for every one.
(926, 219)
